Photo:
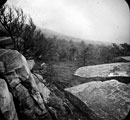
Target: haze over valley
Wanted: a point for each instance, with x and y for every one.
(95, 20)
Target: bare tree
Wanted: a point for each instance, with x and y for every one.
(29, 35)
(13, 20)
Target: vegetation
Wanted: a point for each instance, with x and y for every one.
(35, 44)
(62, 57)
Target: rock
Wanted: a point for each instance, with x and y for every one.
(43, 68)
(4, 41)
(44, 91)
(54, 98)
(106, 71)
(31, 64)
(2, 68)
(32, 97)
(122, 59)
(26, 103)
(43, 65)
(109, 100)
(129, 85)
(40, 78)
(22, 84)
(13, 60)
(16, 64)
(7, 107)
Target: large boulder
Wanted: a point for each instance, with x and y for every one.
(7, 107)
(26, 94)
(105, 72)
(22, 84)
(109, 100)
(31, 64)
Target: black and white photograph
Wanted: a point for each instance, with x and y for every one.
(64, 60)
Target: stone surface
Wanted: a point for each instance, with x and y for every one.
(13, 60)
(31, 64)
(2, 68)
(109, 100)
(5, 41)
(104, 70)
(22, 84)
(15, 63)
(44, 91)
(7, 107)
(122, 59)
(39, 77)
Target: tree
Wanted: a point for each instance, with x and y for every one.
(13, 20)
(72, 51)
(29, 35)
(125, 49)
(44, 48)
(82, 54)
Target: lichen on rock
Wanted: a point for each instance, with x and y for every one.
(109, 100)
(22, 85)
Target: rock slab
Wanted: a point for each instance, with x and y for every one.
(109, 100)
(104, 70)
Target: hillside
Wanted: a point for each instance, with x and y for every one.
(51, 34)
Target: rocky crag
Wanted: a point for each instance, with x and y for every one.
(109, 100)
(104, 91)
(119, 71)
(26, 96)
(20, 90)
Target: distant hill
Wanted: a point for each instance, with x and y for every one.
(60, 36)
(51, 34)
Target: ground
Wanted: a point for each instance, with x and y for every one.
(59, 72)
(58, 76)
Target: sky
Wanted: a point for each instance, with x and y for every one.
(101, 20)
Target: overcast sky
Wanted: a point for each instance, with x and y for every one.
(102, 20)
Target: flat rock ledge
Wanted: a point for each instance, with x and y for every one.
(104, 70)
(109, 100)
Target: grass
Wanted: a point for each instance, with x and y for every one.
(64, 71)
(60, 74)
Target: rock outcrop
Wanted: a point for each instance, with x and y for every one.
(31, 64)
(7, 107)
(109, 100)
(105, 70)
(28, 92)
(25, 95)
(119, 71)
